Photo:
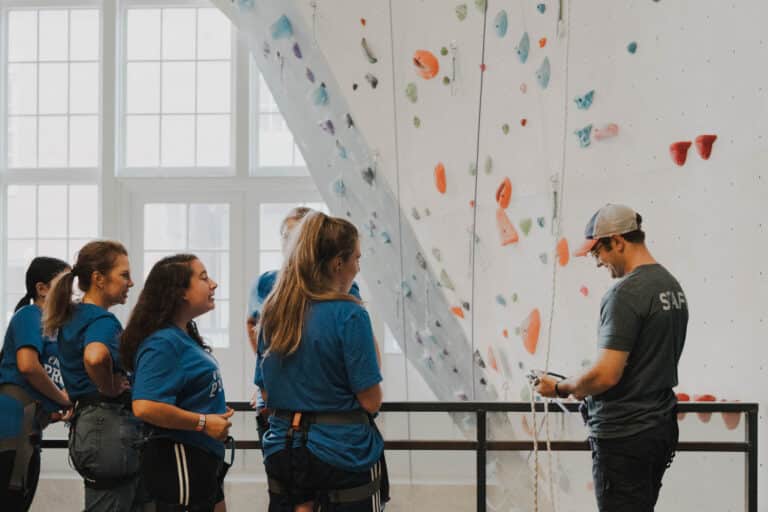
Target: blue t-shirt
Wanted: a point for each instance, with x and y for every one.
(263, 286)
(25, 331)
(335, 360)
(173, 369)
(89, 324)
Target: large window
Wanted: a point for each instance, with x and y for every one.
(47, 220)
(201, 229)
(276, 147)
(52, 101)
(177, 84)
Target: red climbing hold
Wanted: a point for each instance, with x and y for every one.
(426, 64)
(507, 231)
(679, 151)
(504, 193)
(682, 397)
(440, 178)
(456, 310)
(523, 122)
(584, 291)
(731, 419)
(542, 42)
(530, 331)
(483, 67)
(704, 145)
(362, 21)
(704, 416)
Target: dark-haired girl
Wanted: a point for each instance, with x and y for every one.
(31, 389)
(178, 389)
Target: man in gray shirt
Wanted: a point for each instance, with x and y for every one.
(631, 408)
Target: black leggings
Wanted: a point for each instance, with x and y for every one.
(18, 500)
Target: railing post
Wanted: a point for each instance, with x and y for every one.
(751, 469)
(482, 448)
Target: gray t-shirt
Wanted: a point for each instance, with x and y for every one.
(645, 314)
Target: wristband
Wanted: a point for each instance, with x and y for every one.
(557, 391)
(200, 423)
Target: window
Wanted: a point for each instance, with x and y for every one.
(177, 88)
(45, 220)
(201, 229)
(277, 152)
(52, 101)
(270, 245)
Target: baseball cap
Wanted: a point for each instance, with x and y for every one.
(611, 219)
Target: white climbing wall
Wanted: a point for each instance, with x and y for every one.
(472, 171)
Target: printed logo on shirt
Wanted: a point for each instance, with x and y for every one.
(54, 371)
(672, 300)
(216, 385)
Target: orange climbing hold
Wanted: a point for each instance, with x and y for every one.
(542, 42)
(456, 310)
(362, 21)
(504, 193)
(471, 203)
(505, 333)
(704, 145)
(507, 231)
(523, 122)
(530, 331)
(679, 151)
(562, 252)
(704, 416)
(440, 178)
(426, 64)
(731, 419)
(492, 359)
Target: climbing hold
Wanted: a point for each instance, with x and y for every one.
(542, 8)
(483, 67)
(505, 128)
(584, 136)
(523, 88)
(501, 23)
(368, 53)
(372, 80)
(523, 48)
(543, 258)
(354, 86)
(446, 80)
(585, 101)
(297, 50)
(606, 132)
(456, 310)
(310, 75)
(563, 255)
(426, 64)
(327, 127)
(507, 232)
(445, 280)
(500, 300)
(341, 150)
(540, 221)
(411, 92)
(481, 5)
(339, 188)
(465, 305)
(415, 214)
(246, 4)
(350, 122)
(443, 51)
(369, 175)
(529, 330)
(542, 42)
(514, 297)
(437, 254)
(504, 193)
(505, 333)
(362, 21)
(385, 237)
(471, 203)
(428, 361)
(584, 291)
(704, 416)
(440, 177)
(421, 261)
(731, 419)
(632, 47)
(679, 151)
(320, 96)
(542, 74)
(472, 169)
(682, 397)
(525, 225)
(266, 49)
(282, 28)
(427, 212)
(523, 122)
(704, 145)
(492, 359)
(488, 164)
(416, 121)
(461, 11)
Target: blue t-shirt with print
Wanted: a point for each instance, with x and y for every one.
(335, 360)
(173, 369)
(89, 324)
(25, 331)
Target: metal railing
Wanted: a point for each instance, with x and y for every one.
(481, 445)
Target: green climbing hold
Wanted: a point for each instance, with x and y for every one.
(443, 51)
(472, 170)
(416, 121)
(446, 80)
(525, 225)
(411, 92)
(481, 5)
(488, 165)
(461, 11)
(505, 128)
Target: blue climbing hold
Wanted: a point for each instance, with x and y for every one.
(584, 102)
(297, 50)
(339, 188)
(542, 8)
(328, 127)
(501, 23)
(320, 96)
(246, 4)
(542, 74)
(282, 28)
(342, 150)
(406, 289)
(310, 75)
(386, 238)
(585, 136)
(523, 48)
(632, 47)
(500, 300)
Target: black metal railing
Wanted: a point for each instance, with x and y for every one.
(481, 445)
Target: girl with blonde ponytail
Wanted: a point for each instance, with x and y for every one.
(318, 368)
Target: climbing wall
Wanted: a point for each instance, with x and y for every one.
(471, 141)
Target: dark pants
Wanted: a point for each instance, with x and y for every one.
(310, 476)
(21, 500)
(627, 471)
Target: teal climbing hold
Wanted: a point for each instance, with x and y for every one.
(501, 23)
(523, 48)
(542, 74)
(585, 136)
(282, 28)
(585, 101)
(632, 47)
